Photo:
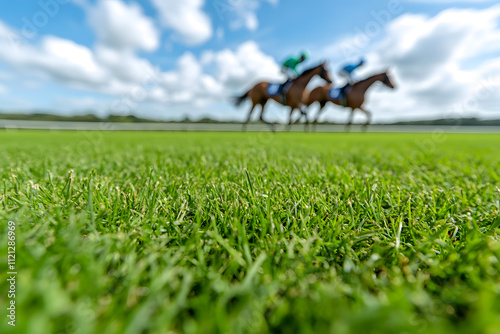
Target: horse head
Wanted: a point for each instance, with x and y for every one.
(325, 75)
(387, 80)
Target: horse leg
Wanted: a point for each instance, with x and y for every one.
(271, 125)
(304, 114)
(349, 123)
(298, 119)
(290, 122)
(320, 111)
(369, 118)
(249, 116)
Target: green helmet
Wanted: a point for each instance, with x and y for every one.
(305, 54)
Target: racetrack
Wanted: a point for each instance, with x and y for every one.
(222, 127)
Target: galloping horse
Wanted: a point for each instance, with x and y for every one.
(294, 97)
(354, 99)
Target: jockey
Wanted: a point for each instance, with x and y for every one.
(289, 67)
(347, 70)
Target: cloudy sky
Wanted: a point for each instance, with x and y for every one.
(169, 59)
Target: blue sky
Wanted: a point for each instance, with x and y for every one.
(94, 55)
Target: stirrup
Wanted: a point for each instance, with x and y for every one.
(283, 98)
(343, 101)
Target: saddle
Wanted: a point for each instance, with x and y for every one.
(275, 89)
(340, 94)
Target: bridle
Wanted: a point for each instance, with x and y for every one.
(324, 72)
(386, 80)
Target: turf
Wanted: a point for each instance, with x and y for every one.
(252, 233)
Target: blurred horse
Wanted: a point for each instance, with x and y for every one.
(293, 98)
(354, 96)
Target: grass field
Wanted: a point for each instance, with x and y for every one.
(252, 233)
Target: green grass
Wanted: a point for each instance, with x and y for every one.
(252, 233)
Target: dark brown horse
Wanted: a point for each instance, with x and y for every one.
(294, 97)
(355, 96)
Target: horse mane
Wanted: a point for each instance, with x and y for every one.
(370, 77)
(306, 72)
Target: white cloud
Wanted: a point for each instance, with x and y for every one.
(242, 14)
(118, 72)
(188, 84)
(123, 65)
(113, 68)
(74, 65)
(57, 58)
(123, 26)
(421, 46)
(434, 61)
(428, 56)
(186, 18)
(67, 58)
(246, 64)
(3, 89)
(439, 64)
(233, 71)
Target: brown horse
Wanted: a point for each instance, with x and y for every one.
(294, 97)
(355, 96)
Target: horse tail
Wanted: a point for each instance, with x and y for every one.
(240, 99)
